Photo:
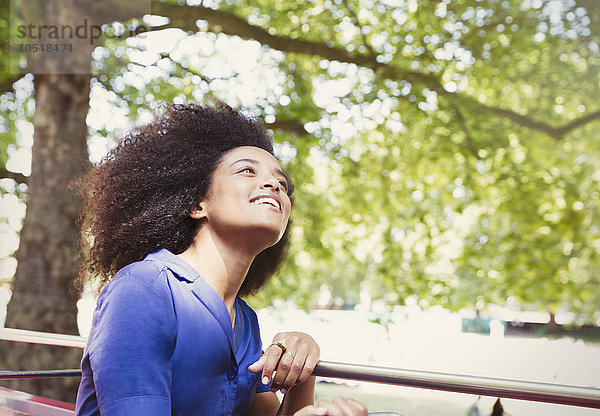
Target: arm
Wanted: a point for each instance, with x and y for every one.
(266, 403)
(131, 346)
(298, 397)
(338, 407)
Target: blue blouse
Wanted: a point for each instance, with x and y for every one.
(162, 344)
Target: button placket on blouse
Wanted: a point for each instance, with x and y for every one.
(232, 375)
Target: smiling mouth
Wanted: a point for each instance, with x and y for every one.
(267, 201)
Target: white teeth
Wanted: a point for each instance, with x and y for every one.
(269, 201)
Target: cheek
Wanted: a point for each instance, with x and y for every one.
(288, 210)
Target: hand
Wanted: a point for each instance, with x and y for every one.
(339, 407)
(294, 366)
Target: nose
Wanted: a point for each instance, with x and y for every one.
(271, 183)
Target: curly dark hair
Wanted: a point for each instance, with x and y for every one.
(137, 199)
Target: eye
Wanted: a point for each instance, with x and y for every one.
(247, 169)
(284, 185)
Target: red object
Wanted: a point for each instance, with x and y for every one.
(13, 402)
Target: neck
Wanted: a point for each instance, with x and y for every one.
(222, 265)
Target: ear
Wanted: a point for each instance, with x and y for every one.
(198, 212)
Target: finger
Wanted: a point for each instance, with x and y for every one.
(312, 353)
(361, 408)
(273, 355)
(332, 408)
(311, 411)
(257, 366)
(283, 371)
(345, 406)
(297, 365)
(309, 366)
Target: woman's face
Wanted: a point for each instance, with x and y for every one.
(248, 197)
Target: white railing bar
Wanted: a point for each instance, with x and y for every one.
(47, 338)
(458, 383)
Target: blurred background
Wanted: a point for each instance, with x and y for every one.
(445, 156)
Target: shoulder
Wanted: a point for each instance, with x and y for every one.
(144, 278)
(145, 271)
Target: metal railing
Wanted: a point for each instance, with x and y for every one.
(457, 383)
(47, 338)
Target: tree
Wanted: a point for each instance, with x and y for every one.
(444, 151)
(48, 240)
(47, 265)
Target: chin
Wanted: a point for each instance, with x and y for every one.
(268, 235)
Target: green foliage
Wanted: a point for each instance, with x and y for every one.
(442, 150)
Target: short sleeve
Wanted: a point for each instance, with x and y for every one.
(262, 388)
(132, 342)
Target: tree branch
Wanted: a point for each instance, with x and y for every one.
(579, 122)
(115, 10)
(557, 133)
(185, 17)
(525, 121)
(17, 177)
(468, 137)
(292, 126)
(228, 23)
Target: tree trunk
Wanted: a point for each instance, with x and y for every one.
(43, 297)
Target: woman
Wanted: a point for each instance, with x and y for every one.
(191, 212)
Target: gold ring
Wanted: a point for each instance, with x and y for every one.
(280, 344)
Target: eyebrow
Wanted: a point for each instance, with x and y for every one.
(256, 162)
